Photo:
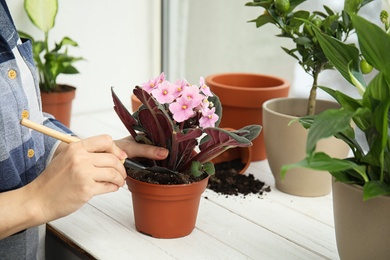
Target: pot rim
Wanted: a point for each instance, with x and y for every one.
(283, 83)
(359, 189)
(167, 185)
(293, 99)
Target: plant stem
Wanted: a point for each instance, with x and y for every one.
(311, 106)
(44, 69)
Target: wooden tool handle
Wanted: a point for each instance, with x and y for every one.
(48, 131)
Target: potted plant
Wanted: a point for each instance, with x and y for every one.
(361, 186)
(56, 98)
(278, 113)
(184, 119)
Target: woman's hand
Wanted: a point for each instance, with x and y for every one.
(78, 172)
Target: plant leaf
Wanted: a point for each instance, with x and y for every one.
(339, 53)
(323, 162)
(374, 189)
(218, 140)
(124, 115)
(209, 168)
(369, 35)
(327, 124)
(42, 13)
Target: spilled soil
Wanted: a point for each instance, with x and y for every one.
(228, 181)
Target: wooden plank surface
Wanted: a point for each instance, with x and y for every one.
(272, 226)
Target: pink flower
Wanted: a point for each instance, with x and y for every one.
(149, 86)
(179, 87)
(160, 78)
(153, 83)
(204, 105)
(204, 88)
(181, 109)
(209, 117)
(164, 92)
(192, 93)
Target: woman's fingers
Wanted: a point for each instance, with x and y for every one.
(103, 144)
(134, 149)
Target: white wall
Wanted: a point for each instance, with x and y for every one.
(219, 39)
(120, 41)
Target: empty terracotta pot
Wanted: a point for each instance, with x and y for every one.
(242, 96)
(135, 103)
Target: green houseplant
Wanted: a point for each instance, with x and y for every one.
(184, 119)
(297, 25)
(294, 25)
(51, 62)
(362, 182)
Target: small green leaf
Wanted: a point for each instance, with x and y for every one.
(196, 168)
(263, 19)
(209, 168)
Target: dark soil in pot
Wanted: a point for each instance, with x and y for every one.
(163, 178)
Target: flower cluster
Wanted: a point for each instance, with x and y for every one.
(184, 100)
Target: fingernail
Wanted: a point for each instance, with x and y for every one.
(124, 155)
(162, 152)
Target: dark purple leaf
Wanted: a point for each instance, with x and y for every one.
(124, 115)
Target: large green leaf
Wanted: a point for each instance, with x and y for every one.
(327, 124)
(352, 6)
(323, 162)
(42, 13)
(339, 53)
(344, 100)
(374, 44)
(374, 189)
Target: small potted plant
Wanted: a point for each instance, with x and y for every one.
(285, 142)
(184, 119)
(56, 98)
(361, 186)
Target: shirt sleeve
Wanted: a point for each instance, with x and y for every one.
(51, 143)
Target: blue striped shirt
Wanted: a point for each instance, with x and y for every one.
(24, 153)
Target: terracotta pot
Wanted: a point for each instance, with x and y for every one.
(242, 153)
(135, 103)
(242, 96)
(165, 211)
(362, 227)
(59, 104)
(286, 143)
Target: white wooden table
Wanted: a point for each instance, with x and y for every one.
(273, 226)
